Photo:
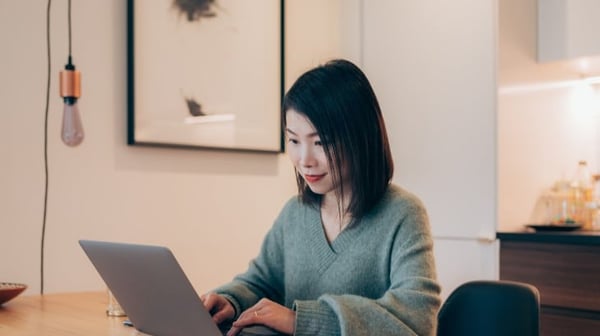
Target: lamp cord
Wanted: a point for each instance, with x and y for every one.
(43, 239)
(69, 13)
(45, 149)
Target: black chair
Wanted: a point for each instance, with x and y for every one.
(491, 308)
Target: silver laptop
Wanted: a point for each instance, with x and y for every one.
(154, 291)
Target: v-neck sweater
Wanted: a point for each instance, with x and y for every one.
(376, 278)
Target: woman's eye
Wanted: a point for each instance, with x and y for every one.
(318, 143)
(293, 141)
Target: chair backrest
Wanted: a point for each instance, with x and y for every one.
(491, 308)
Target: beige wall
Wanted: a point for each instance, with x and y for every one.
(212, 208)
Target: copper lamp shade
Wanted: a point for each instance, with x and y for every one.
(70, 83)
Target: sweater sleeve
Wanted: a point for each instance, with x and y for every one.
(408, 307)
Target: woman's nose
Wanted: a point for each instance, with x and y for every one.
(307, 157)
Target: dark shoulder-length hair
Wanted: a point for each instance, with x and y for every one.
(339, 101)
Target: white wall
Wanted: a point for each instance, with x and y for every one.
(547, 121)
(212, 208)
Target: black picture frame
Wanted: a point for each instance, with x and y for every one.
(205, 77)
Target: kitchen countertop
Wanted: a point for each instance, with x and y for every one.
(577, 237)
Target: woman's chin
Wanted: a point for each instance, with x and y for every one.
(317, 190)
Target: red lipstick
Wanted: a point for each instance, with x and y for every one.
(313, 178)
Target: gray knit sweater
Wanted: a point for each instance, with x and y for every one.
(376, 278)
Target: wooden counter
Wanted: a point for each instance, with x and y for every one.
(565, 267)
(577, 237)
(73, 314)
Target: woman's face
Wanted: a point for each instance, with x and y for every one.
(307, 153)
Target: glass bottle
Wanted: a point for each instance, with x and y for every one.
(582, 195)
(596, 203)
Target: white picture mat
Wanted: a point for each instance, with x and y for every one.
(229, 63)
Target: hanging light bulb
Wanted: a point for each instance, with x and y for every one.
(70, 90)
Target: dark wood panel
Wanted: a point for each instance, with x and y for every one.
(555, 324)
(566, 275)
(578, 237)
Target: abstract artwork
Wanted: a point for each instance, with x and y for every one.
(205, 74)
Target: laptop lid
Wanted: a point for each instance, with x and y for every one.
(151, 287)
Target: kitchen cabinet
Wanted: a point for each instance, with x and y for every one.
(565, 267)
(568, 29)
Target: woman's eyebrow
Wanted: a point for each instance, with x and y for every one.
(312, 135)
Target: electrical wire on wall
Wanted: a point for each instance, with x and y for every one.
(45, 148)
(72, 129)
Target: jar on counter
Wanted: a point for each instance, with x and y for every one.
(559, 205)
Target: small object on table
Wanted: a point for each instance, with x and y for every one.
(9, 290)
(114, 308)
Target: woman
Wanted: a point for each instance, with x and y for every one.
(352, 253)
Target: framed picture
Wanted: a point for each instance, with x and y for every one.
(205, 73)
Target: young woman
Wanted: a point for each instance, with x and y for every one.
(352, 253)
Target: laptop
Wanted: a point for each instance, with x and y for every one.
(153, 290)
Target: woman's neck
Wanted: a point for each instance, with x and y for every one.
(334, 216)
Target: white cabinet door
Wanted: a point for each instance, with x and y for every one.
(568, 29)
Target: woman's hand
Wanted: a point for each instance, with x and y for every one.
(219, 307)
(268, 313)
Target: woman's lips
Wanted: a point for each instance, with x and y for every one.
(313, 178)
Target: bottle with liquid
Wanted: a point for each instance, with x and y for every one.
(582, 196)
(596, 202)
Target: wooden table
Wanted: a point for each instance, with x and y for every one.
(76, 314)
